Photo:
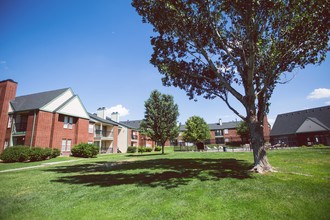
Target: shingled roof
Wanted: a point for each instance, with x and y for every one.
(134, 124)
(289, 123)
(217, 126)
(35, 101)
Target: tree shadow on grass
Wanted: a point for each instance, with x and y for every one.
(168, 173)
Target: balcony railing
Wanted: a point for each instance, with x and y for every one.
(20, 127)
(134, 137)
(218, 133)
(103, 134)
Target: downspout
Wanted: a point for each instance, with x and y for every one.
(33, 125)
(13, 127)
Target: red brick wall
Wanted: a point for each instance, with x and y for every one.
(42, 129)
(82, 135)
(91, 135)
(232, 136)
(266, 129)
(7, 93)
(59, 132)
(129, 136)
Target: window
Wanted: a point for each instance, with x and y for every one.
(218, 133)
(226, 131)
(91, 128)
(63, 145)
(66, 145)
(68, 121)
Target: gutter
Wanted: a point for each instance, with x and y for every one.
(34, 122)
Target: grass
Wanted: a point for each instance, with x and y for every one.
(178, 185)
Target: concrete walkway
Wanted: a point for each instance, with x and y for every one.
(37, 166)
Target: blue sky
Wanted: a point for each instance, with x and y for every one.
(101, 49)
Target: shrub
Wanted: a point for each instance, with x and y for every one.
(158, 148)
(85, 150)
(38, 154)
(131, 149)
(141, 149)
(148, 149)
(318, 146)
(55, 153)
(16, 154)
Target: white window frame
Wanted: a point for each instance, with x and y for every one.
(63, 148)
(225, 131)
(66, 145)
(91, 128)
(68, 121)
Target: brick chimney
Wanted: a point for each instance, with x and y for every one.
(7, 93)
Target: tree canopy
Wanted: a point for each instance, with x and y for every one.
(160, 118)
(236, 50)
(196, 130)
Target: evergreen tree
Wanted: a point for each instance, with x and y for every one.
(160, 118)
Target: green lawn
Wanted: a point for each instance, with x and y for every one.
(173, 186)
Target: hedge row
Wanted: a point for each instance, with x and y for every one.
(24, 153)
(142, 149)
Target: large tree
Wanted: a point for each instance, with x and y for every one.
(160, 118)
(196, 130)
(236, 50)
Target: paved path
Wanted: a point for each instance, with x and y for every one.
(37, 166)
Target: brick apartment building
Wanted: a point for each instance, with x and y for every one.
(225, 133)
(55, 119)
(58, 119)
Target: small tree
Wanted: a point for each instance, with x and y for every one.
(196, 130)
(160, 118)
(243, 131)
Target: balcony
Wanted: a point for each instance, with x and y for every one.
(218, 133)
(19, 128)
(104, 135)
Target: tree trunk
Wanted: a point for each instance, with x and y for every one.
(261, 164)
(163, 148)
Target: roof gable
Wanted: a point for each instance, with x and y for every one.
(289, 123)
(58, 101)
(311, 125)
(73, 107)
(35, 101)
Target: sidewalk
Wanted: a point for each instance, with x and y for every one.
(37, 166)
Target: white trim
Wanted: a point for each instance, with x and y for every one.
(73, 107)
(58, 101)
